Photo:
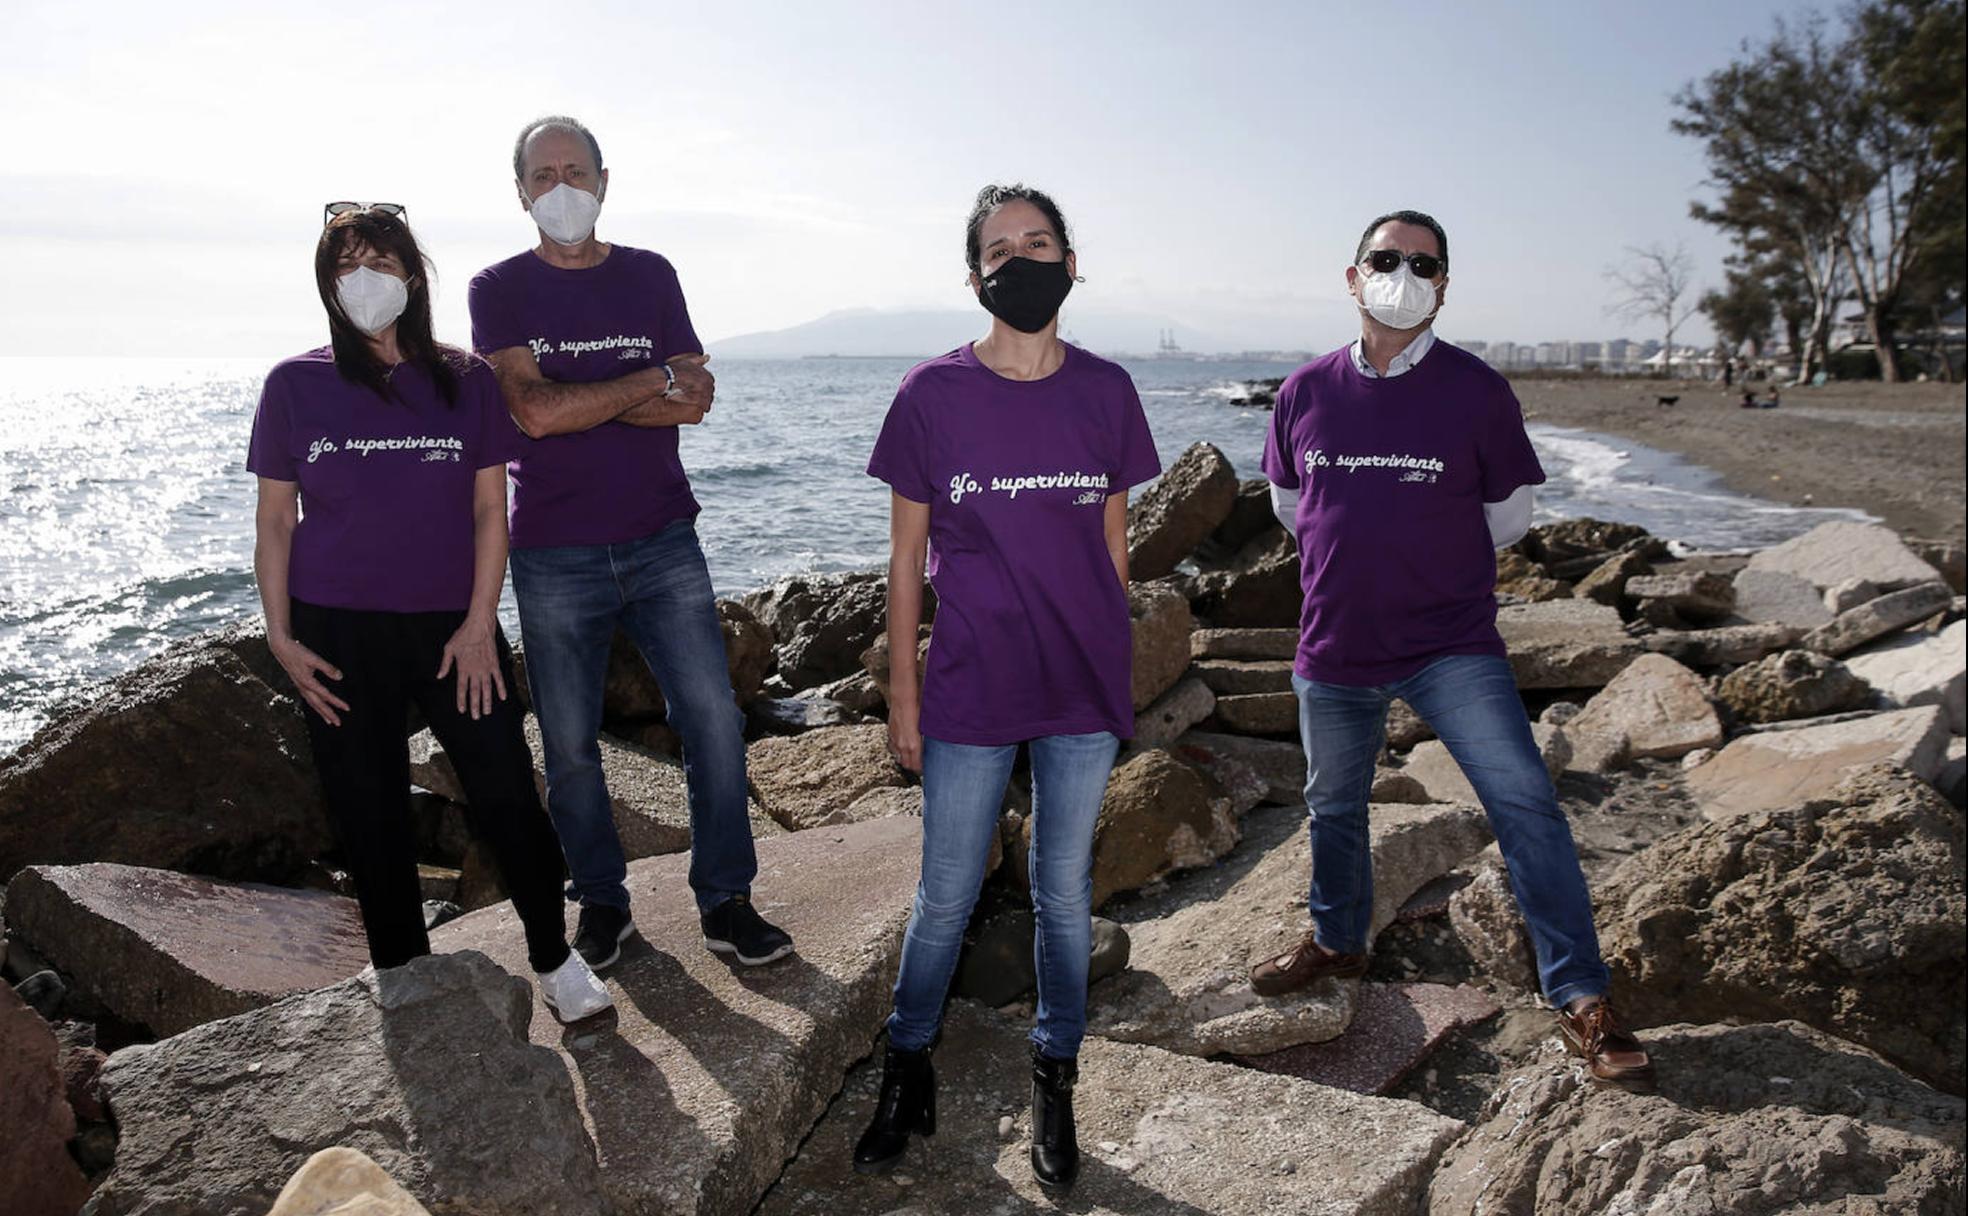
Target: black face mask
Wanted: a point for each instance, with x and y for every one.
(1025, 294)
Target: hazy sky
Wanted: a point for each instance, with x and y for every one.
(1217, 161)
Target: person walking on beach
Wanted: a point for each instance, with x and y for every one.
(1009, 461)
(1399, 463)
(384, 592)
(594, 348)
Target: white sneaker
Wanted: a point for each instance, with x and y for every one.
(573, 991)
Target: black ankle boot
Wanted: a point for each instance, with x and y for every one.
(1055, 1147)
(907, 1104)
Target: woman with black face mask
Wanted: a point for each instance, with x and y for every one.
(1009, 460)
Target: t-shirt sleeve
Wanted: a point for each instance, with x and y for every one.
(499, 435)
(493, 327)
(1506, 456)
(1279, 464)
(679, 335)
(270, 452)
(1139, 461)
(901, 455)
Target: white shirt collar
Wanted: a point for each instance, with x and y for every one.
(1406, 361)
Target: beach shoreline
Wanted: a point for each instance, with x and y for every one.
(1893, 450)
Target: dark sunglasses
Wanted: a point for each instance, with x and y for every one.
(331, 210)
(1383, 261)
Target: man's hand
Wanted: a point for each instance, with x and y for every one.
(695, 386)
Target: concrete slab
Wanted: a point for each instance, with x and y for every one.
(1920, 669)
(1158, 1134)
(171, 951)
(1396, 1028)
(708, 1075)
(1780, 768)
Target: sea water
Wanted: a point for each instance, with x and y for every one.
(126, 512)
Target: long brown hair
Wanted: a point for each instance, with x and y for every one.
(355, 359)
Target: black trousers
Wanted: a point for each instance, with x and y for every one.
(389, 660)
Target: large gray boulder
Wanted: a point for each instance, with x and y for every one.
(1721, 647)
(1565, 643)
(1920, 669)
(1748, 1121)
(1657, 705)
(1159, 621)
(190, 761)
(1854, 627)
(1772, 597)
(822, 622)
(1257, 587)
(1188, 989)
(1259, 713)
(170, 951)
(1846, 913)
(1773, 769)
(1794, 684)
(709, 1075)
(1158, 1133)
(1183, 506)
(646, 789)
(37, 1176)
(425, 1068)
(1686, 595)
(1233, 676)
(810, 780)
(1840, 551)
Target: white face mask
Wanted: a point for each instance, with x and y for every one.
(1398, 300)
(566, 214)
(373, 300)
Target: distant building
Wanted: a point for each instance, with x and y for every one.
(1479, 349)
(1590, 354)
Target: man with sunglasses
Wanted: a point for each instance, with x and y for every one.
(1400, 464)
(599, 364)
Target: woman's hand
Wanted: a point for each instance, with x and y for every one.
(904, 735)
(476, 656)
(307, 669)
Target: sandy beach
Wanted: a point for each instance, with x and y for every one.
(1896, 450)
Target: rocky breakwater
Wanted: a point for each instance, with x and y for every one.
(1710, 724)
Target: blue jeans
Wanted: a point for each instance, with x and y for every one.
(963, 792)
(1471, 702)
(658, 589)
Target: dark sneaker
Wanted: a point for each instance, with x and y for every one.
(1303, 965)
(1611, 1054)
(602, 931)
(735, 927)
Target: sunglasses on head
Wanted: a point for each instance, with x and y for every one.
(1383, 261)
(331, 210)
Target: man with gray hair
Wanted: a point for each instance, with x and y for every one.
(599, 363)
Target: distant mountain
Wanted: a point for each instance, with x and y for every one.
(922, 333)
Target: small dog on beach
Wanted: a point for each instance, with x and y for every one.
(1667, 400)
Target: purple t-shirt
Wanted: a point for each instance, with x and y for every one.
(386, 486)
(1394, 553)
(1032, 635)
(614, 482)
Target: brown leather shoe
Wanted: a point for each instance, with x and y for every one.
(1303, 965)
(1612, 1055)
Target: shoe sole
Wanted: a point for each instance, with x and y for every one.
(567, 1021)
(718, 947)
(628, 931)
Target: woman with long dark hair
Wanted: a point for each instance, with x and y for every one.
(381, 549)
(1009, 461)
